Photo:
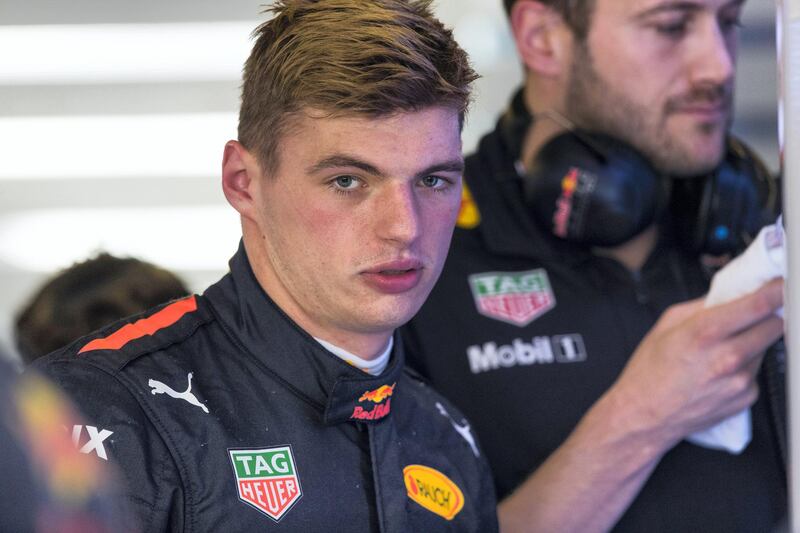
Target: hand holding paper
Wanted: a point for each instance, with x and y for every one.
(763, 260)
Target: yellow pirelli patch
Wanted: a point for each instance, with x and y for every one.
(433, 490)
(468, 215)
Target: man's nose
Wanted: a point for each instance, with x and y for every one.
(713, 56)
(398, 219)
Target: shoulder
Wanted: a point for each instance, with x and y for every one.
(106, 374)
(112, 348)
(111, 366)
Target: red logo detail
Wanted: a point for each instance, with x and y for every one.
(379, 394)
(271, 495)
(381, 397)
(377, 412)
(564, 203)
(516, 308)
(144, 326)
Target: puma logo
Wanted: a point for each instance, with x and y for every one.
(462, 429)
(160, 388)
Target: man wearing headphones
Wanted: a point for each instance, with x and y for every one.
(587, 216)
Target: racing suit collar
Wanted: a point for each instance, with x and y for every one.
(338, 390)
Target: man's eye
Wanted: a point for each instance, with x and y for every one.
(433, 182)
(729, 23)
(673, 30)
(346, 182)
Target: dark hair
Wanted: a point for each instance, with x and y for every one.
(342, 57)
(87, 296)
(576, 13)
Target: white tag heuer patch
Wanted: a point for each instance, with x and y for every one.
(517, 298)
(267, 479)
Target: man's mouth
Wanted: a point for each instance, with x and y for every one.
(394, 277)
(711, 102)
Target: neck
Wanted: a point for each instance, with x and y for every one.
(633, 253)
(543, 127)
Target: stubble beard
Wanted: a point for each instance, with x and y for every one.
(595, 105)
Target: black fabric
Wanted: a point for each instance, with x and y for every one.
(267, 385)
(525, 386)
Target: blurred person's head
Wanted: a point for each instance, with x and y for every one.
(87, 296)
(657, 75)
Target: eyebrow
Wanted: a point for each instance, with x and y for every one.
(680, 5)
(340, 160)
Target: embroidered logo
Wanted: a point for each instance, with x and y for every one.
(95, 442)
(160, 388)
(468, 215)
(517, 298)
(381, 397)
(462, 429)
(266, 479)
(570, 210)
(433, 490)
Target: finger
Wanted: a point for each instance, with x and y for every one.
(739, 314)
(746, 398)
(755, 340)
(681, 312)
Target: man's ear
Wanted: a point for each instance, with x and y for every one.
(542, 37)
(239, 171)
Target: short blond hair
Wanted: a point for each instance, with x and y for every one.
(347, 57)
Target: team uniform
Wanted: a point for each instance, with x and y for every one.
(524, 332)
(225, 416)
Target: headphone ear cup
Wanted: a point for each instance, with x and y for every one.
(592, 189)
(731, 204)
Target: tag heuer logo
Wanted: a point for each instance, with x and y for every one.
(514, 297)
(267, 479)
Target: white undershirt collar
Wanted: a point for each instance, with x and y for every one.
(374, 367)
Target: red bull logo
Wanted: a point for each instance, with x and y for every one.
(379, 394)
(564, 203)
(381, 397)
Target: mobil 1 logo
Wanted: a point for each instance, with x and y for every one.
(267, 479)
(540, 350)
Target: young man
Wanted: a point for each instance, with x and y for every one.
(550, 340)
(277, 400)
